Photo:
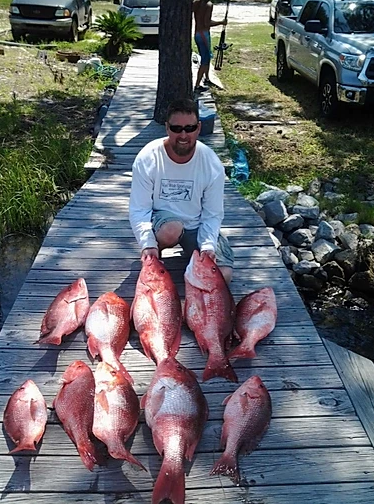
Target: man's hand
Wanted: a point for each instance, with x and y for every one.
(153, 251)
(209, 253)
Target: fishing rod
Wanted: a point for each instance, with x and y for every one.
(222, 46)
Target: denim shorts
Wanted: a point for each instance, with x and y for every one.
(188, 239)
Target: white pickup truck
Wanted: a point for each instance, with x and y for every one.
(331, 43)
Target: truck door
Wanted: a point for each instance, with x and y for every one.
(314, 43)
(298, 42)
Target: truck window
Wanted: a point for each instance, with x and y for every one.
(309, 12)
(323, 14)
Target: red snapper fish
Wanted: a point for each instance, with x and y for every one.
(175, 411)
(116, 411)
(66, 313)
(157, 311)
(74, 405)
(256, 315)
(245, 421)
(107, 328)
(209, 311)
(25, 417)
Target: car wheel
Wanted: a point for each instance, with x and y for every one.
(284, 73)
(328, 99)
(73, 34)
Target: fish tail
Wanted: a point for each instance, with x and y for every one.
(170, 484)
(219, 367)
(242, 352)
(50, 339)
(123, 454)
(227, 465)
(29, 446)
(89, 456)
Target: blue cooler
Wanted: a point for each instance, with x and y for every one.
(207, 117)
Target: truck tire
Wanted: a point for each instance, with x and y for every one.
(327, 96)
(284, 73)
(73, 34)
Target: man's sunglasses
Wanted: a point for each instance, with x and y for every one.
(190, 128)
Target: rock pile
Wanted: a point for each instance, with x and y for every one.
(319, 248)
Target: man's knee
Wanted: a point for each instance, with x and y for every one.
(169, 234)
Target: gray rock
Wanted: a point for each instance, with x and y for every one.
(305, 267)
(333, 196)
(288, 257)
(313, 229)
(367, 230)
(362, 281)
(294, 221)
(333, 269)
(314, 187)
(347, 259)
(275, 212)
(278, 234)
(306, 212)
(294, 189)
(347, 218)
(305, 255)
(306, 201)
(324, 250)
(276, 242)
(256, 205)
(349, 240)
(301, 237)
(337, 226)
(325, 231)
(272, 195)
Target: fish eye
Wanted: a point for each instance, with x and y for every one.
(113, 373)
(162, 271)
(214, 269)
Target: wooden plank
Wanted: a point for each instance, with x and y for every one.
(283, 433)
(357, 374)
(342, 493)
(267, 467)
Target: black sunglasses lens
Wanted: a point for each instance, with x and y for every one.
(190, 128)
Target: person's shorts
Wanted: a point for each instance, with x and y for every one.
(203, 43)
(188, 239)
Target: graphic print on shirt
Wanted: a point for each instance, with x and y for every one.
(176, 190)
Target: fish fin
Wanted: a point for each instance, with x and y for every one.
(102, 399)
(191, 450)
(242, 352)
(147, 348)
(122, 453)
(158, 442)
(227, 465)
(226, 400)
(92, 346)
(221, 367)
(176, 344)
(170, 484)
(34, 409)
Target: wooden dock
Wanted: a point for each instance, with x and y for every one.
(319, 447)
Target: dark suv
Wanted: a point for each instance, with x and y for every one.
(50, 18)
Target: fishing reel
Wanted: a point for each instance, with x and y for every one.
(222, 47)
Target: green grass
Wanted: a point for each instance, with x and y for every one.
(303, 146)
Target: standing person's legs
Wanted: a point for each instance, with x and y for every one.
(202, 40)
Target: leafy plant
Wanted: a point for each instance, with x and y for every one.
(120, 29)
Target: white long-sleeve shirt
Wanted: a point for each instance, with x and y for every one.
(192, 191)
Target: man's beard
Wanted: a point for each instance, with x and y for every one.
(182, 150)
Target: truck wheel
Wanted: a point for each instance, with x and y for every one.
(328, 99)
(284, 73)
(73, 34)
